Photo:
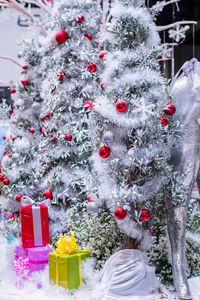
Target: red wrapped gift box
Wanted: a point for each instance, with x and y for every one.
(34, 226)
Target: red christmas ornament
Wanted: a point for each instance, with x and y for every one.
(2, 178)
(88, 104)
(48, 194)
(92, 67)
(24, 81)
(89, 198)
(104, 152)
(42, 119)
(14, 138)
(19, 197)
(68, 137)
(164, 121)
(6, 181)
(4, 137)
(88, 36)
(32, 130)
(54, 139)
(61, 36)
(25, 67)
(80, 18)
(170, 110)
(121, 106)
(61, 76)
(102, 54)
(145, 215)
(13, 91)
(120, 213)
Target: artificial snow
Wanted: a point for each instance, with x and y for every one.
(91, 291)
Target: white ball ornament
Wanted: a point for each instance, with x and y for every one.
(108, 137)
(92, 207)
(131, 152)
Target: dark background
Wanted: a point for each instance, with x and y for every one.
(189, 10)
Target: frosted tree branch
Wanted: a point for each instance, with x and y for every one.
(158, 6)
(4, 83)
(161, 28)
(41, 4)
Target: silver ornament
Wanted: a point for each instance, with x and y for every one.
(108, 137)
(92, 208)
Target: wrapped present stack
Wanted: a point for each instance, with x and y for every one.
(65, 263)
(34, 236)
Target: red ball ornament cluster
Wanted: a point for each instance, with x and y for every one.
(145, 215)
(92, 67)
(164, 121)
(68, 137)
(104, 152)
(120, 213)
(61, 36)
(121, 106)
(80, 18)
(102, 54)
(48, 194)
(170, 110)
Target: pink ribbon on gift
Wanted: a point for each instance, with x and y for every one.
(37, 222)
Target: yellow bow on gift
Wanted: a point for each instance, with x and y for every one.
(66, 244)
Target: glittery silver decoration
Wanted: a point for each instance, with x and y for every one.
(185, 161)
(108, 137)
(92, 207)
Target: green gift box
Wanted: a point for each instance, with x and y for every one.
(65, 269)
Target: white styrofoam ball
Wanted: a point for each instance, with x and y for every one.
(92, 207)
(108, 137)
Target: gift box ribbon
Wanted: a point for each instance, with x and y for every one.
(36, 213)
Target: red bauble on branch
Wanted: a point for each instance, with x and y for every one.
(121, 106)
(42, 119)
(88, 36)
(103, 85)
(92, 67)
(43, 132)
(68, 137)
(120, 213)
(61, 36)
(48, 194)
(145, 215)
(32, 130)
(54, 139)
(13, 91)
(24, 81)
(80, 18)
(2, 177)
(102, 54)
(6, 181)
(104, 152)
(25, 67)
(14, 138)
(88, 104)
(170, 110)
(164, 121)
(18, 197)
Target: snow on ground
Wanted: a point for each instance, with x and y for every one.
(91, 291)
